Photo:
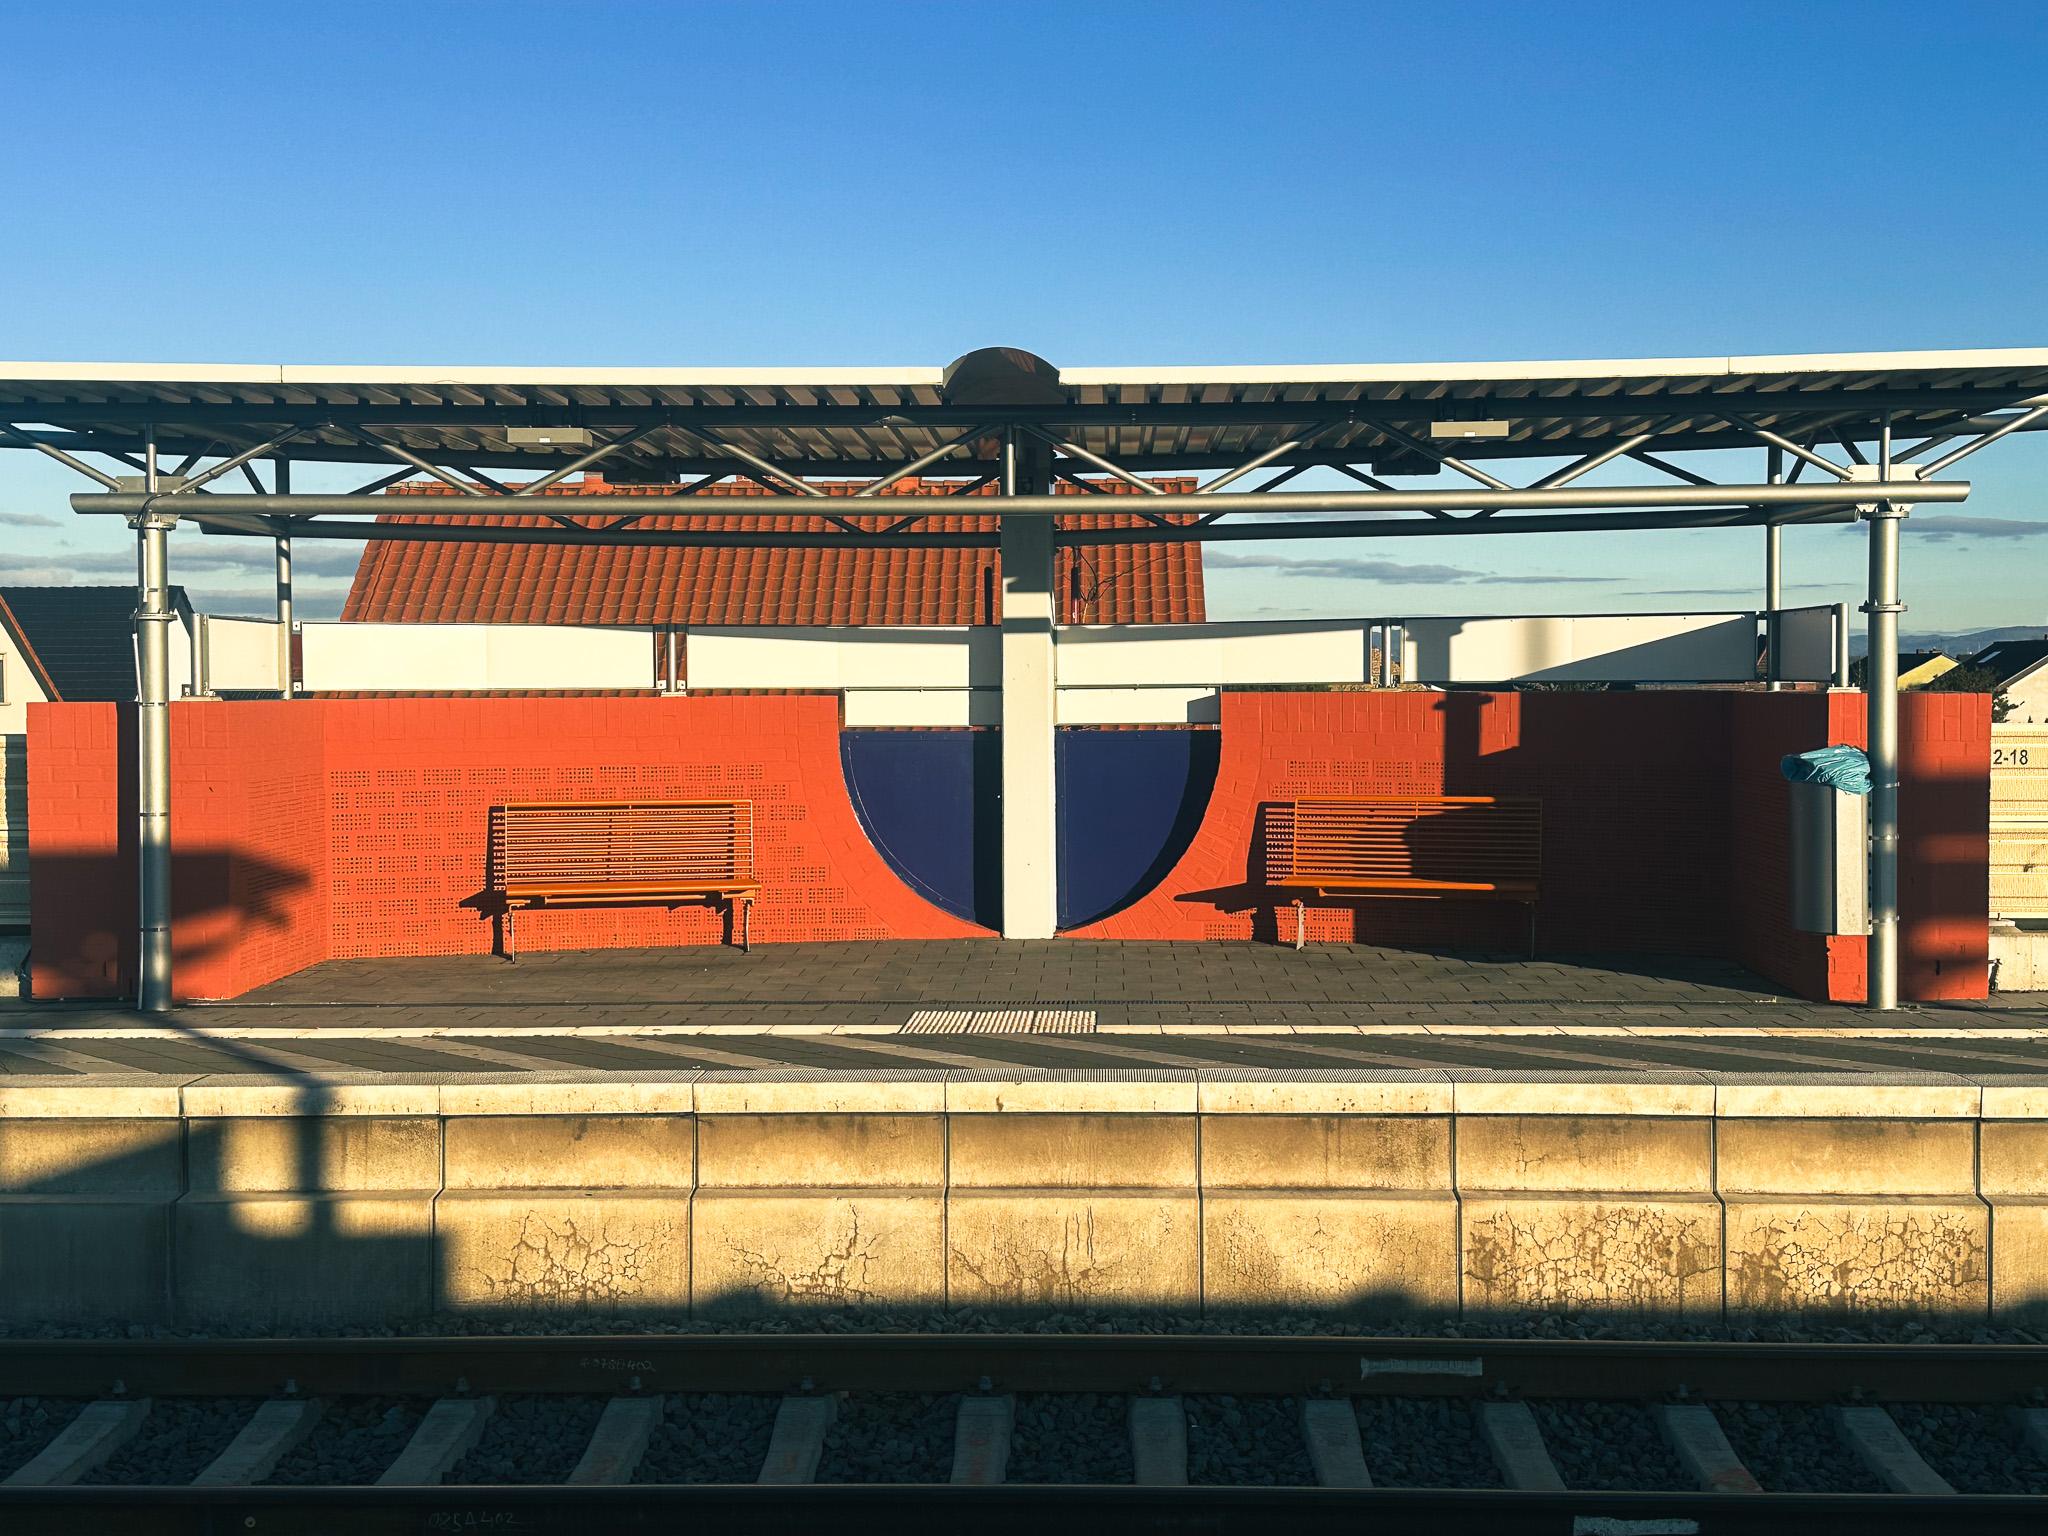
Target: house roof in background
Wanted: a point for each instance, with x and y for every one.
(458, 583)
(2007, 659)
(81, 639)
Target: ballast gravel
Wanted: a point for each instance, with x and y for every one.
(1253, 1442)
(1423, 1442)
(1793, 1448)
(178, 1440)
(355, 1440)
(27, 1424)
(530, 1438)
(891, 1437)
(1614, 1446)
(709, 1437)
(1071, 1437)
(1974, 1448)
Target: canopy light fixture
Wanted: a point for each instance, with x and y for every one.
(549, 437)
(1443, 429)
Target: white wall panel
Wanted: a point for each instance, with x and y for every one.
(442, 658)
(241, 654)
(1585, 648)
(1806, 644)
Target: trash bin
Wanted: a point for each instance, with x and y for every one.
(1829, 839)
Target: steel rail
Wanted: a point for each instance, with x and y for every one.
(1009, 1509)
(1568, 499)
(1240, 1363)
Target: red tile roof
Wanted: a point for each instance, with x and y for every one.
(452, 583)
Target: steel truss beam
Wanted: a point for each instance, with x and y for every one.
(470, 461)
(132, 504)
(1208, 530)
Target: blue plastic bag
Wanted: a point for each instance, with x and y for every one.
(1842, 768)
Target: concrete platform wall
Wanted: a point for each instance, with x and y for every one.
(1366, 1195)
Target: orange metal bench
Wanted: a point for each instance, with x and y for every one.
(1412, 847)
(584, 853)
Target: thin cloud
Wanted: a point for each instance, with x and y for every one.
(26, 520)
(1937, 527)
(1357, 568)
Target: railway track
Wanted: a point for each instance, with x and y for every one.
(929, 1432)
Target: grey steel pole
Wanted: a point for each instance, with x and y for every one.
(284, 591)
(1774, 594)
(1881, 695)
(153, 622)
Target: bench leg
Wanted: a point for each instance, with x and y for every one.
(1300, 923)
(746, 925)
(511, 935)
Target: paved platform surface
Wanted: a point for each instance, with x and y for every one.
(1051, 1005)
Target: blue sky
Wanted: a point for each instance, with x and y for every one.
(643, 184)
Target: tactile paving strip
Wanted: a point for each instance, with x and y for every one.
(1001, 1021)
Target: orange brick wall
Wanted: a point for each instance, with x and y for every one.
(1665, 825)
(329, 828)
(326, 828)
(1634, 815)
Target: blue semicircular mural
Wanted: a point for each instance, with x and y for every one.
(1129, 805)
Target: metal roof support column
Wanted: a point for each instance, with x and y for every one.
(284, 589)
(153, 620)
(1881, 695)
(1030, 824)
(1774, 574)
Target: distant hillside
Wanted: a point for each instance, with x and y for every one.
(1962, 644)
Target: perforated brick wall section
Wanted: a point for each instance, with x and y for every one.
(327, 828)
(1665, 823)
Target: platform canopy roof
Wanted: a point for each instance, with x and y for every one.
(786, 428)
(826, 420)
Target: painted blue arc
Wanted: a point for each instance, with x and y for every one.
(931, 803)
(1129, 804)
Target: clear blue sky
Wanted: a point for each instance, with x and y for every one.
(606, 183)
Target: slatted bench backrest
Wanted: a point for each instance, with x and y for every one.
(622, 843)
(1455, 839)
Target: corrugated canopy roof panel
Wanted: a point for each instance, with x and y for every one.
(1145, 417)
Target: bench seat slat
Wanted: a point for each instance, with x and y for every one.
(624, 852)
(1446, 847)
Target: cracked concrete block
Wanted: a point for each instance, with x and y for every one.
(130, 1096)
(797, 1151)
(1326, 1152)
(1060, 1091)
(270, 1260)
(1318, 1091)
(1846, 1157)
(1495, 1091)
(1545, 1153)
(2013, 1157)
(570, 1152)
(607, 1251)
(1072, 1151)
(760, 1250)
(1591, 1253)
(1367, 1254)
(1792, 1254)
(2019, 1259)
(327, 1154)
(84, 1258)
(1062, 1249)
(91, 1157)
(85, 1210)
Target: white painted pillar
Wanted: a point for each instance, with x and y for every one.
(1030, 824)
